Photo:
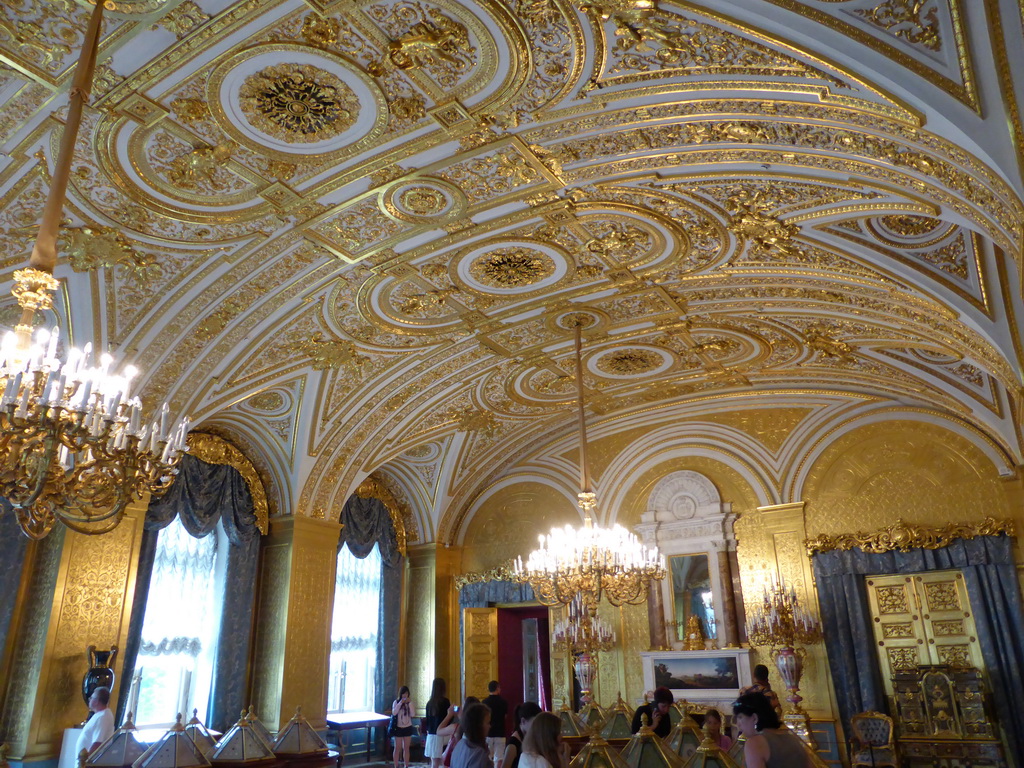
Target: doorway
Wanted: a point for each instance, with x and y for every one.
(524, 656)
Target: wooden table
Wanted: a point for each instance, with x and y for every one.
(350, 721)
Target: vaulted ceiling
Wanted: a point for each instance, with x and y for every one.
(353, 234)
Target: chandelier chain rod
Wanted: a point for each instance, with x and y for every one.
(584, 468)
(44, 251)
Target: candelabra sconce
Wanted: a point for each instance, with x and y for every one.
(583, 635)
(784, 626)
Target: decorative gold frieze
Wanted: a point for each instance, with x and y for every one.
(298, 103)
(902, 536)
(183, 19)
(216, 450)
(502, 572)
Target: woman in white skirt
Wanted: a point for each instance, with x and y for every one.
(438, 715)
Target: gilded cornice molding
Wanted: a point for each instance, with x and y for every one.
(902, 536)
(501, 572)
(217, 450)
(373, 488)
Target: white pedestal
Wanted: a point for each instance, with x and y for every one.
(68, 755)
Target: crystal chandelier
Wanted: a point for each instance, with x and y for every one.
(73, 444)
(589, 561)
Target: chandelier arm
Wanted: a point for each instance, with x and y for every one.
(44, 252)
(43, 471)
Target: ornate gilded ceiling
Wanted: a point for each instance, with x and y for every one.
(352, 235)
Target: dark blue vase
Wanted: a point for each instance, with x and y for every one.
(100, 673)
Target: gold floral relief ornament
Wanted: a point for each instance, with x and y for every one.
(903, 536)
(298, 103)
(512, 268)
(629, 362)
(217, 450)
(502, 572)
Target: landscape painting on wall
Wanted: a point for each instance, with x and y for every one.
(700, 673)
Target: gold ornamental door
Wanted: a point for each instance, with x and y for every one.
(922, 618)
(480, 646)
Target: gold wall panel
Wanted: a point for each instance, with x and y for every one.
(92, 604)
(480, 647)
(293, 635)
(919, 472)
(770, 544)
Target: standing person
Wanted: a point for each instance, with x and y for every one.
(543, 746)
(496, 734)
(657, 713)
(524, 715)
(768, 744)
(438, 714)
(453, 731)
(713, 723)
(101, 725)
(761, 685)
(471, 751)
(402, 710)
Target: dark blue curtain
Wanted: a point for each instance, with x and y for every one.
(366, 522)
(482, 594)
(990, 575)
(13, 544)
(202, 496)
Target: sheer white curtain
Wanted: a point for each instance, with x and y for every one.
(353, 662)
(179, 633)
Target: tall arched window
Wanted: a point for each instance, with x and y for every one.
(195, 584)
(367, 609)
(354, 632)
(178, 646)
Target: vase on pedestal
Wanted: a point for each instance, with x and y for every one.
(100, 673)
(790, 663)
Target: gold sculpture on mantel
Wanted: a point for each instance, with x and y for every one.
(695, 640)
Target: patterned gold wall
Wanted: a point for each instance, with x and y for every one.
(508, 523)
(920, 472)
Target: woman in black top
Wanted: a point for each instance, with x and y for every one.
(438, 713)
(524, 715)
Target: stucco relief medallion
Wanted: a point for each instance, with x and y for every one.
(287, 99)
(631, 362)
(511, 267)
(424, 201)
(298, 103)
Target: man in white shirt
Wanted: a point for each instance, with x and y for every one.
(100, 726)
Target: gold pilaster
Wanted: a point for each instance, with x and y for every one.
(293, 628)
(771, 545)
(420, 622)
(447, 565)
(27, 639)
(91, 604)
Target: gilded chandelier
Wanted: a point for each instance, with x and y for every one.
(73, 444)
(588, 562)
